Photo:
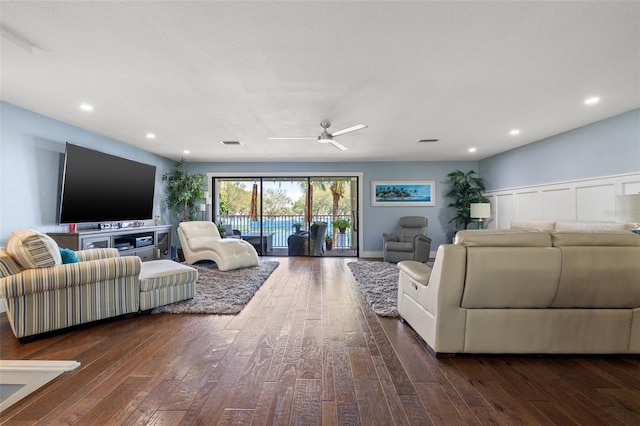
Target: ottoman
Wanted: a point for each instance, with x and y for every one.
(165, 281)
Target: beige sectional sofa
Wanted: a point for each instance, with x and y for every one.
(519, 291)
(573, 226)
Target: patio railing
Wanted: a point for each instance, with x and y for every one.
(282, 226)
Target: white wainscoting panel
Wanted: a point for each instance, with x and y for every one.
(631, 187)
(528, 205)
(558, 204)
(505, 209)
(584, 199)
(590, 201)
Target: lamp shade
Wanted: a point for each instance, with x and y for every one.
(480, 210)
(628, 208)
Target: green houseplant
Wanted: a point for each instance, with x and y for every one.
(465, 188)
(184, 191)
(342, 224)
(328, 242)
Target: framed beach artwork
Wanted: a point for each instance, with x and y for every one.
(420, 193)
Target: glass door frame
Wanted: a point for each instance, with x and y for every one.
(357, 218)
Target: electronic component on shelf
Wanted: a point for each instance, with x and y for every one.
(144, 241)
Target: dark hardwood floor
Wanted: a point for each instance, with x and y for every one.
(308, 350)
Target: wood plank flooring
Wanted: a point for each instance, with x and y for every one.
(308, 350)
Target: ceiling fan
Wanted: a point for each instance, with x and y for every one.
(326, 137)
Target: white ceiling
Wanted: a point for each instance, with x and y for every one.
(196, 73)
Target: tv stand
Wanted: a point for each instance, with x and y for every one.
(146, 242)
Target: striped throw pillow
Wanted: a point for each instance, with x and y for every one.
(31, 249)
(8, 266)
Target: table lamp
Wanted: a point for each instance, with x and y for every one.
(480, 212)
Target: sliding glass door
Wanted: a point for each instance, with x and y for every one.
(290, 216)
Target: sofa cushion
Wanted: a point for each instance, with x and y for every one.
(591, 226)
(511, 277)
(605, 239)
(599, 277)
(163, 273)
(8, 266)
(31, 249)
(502, 238)
(400, 246)
(536, 225)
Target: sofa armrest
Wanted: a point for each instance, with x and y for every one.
(433, 310)
(39, 280)
(98, 253)
(422, 245)
(389, 237)
(443, 297)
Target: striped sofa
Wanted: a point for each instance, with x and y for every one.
(41, 293)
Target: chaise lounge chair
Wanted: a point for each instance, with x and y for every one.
(201, 241)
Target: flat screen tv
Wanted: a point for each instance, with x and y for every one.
(98, 187)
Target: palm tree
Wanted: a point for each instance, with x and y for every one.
(338, 189)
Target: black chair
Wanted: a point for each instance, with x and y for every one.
(308, 243)
(231, 233)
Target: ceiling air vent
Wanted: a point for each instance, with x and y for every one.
(427, 140)
(231, 142)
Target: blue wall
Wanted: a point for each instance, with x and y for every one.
(375, 219)
(32, 150)
(604, 148)
(31, 160)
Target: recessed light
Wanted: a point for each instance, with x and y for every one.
(86, 107)
(592, 100)
(514, 132)
(186, 151)
(151, 135)
(472, 149)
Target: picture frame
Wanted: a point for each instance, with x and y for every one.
(418, 193)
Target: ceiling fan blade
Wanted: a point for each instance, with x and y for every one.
(338, 145)
(298, 138)
(349, 129)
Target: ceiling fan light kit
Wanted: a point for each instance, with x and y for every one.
(326, 137)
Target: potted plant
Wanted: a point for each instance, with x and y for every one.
(222, 230)
(297, 226)
(328, 242)
(466, 188)
(184, 191)
(342, 225)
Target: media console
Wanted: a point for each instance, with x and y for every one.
(147, 242)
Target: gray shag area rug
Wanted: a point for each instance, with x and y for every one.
(378, 281)
(219, 292)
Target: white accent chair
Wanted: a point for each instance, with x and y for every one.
(201, 240)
